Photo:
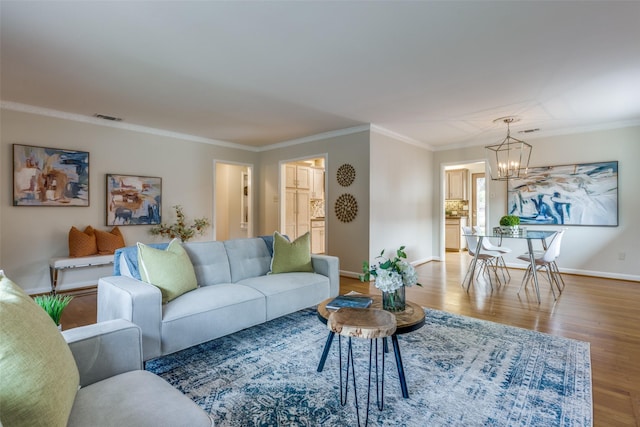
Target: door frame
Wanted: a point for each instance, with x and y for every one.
(474, 198)
(441, 215)
(282, 188)
(250, 203)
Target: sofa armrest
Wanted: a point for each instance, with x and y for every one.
(121, 297)
(329, 266)
(103, 350)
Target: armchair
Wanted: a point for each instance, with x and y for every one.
(87, 376)
(115, 390)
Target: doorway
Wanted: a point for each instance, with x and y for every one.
(464, 202)
(232, 201)
(478, 200)
(302, 190)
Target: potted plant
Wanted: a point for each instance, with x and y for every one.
(53, 305)
(180, 229)
(509, 224)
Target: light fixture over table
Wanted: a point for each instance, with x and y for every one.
(510, 158)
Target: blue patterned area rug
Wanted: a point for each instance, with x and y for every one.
(460, 372)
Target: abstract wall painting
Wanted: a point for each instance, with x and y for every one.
(133, 200)
(579, 194)
(50, 176)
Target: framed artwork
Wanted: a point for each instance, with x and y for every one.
(579, 194)
(45, 176)
(133, 200)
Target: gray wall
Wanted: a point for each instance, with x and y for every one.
(398, 187)
(29, 236)
(585, 250)
(348, 241)
(402, 199)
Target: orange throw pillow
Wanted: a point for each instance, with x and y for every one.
(82, 243)
(109, 241)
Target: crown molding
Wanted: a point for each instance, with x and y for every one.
(48, 112)
(316, 137)
(400, 137)
(547, 134)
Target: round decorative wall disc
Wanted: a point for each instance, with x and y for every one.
(346, 175)
(346, 208)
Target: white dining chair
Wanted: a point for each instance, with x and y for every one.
(487, 259)
(546, 260)
(487, 245)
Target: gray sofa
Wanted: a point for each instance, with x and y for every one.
(234, 292)
(115, 391)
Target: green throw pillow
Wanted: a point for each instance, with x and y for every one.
(291, 256)
(38, 375)
(170, 270)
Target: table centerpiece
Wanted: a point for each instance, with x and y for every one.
(391, 277)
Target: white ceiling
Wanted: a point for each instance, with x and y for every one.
(259, 73)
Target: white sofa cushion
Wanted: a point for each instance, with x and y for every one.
(247, 258)
(210, 312)
(289, 292)
(210, 262)
(136, 398)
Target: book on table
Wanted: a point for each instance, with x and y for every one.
(349, 301)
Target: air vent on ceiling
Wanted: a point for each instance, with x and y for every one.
(105, 117)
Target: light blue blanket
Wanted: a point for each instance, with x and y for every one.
(130, 256)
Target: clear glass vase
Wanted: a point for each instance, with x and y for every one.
(394, 301)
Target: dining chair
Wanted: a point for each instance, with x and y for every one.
(487, 245)
(487, 259)
(546, 260)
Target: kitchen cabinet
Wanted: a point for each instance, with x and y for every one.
(298, 200)
(317, 183)
(456, 184)
(297, 213)
(297, 177)
(317, 236)
(453, 238)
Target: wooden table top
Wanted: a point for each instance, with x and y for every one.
(362, 323)
(411, 319)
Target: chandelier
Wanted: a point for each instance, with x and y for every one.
(510, 158)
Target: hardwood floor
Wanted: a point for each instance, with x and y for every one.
(604, 312)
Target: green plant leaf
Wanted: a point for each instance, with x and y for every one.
(53, 305)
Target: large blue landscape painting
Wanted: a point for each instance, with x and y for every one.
(580, 194)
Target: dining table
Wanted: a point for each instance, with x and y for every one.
(528, 235)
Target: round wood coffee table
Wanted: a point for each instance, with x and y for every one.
(409, 320)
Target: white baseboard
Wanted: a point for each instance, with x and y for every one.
(416, 263)
(61, 288)
(591, 273)
(602, 274)
(351, 274)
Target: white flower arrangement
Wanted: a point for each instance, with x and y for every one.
(391, 275)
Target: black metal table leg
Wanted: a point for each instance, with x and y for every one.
(325, 352)
(403, 381)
